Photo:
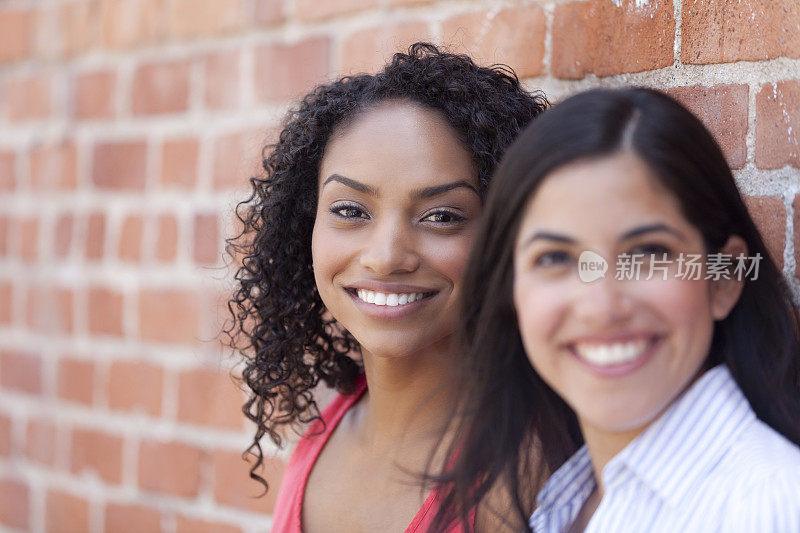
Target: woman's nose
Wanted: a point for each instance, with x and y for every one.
(390, 248)
(605, 301)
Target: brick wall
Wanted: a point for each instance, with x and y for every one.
(127, 131)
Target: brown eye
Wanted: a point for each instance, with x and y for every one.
(348, 211)
(444, 217)
(553, 259)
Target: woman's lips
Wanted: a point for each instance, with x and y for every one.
(615, 359)
(387, 305)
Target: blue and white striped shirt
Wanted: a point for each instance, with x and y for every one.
(706, 464)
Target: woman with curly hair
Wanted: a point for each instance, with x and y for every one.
(354, 244)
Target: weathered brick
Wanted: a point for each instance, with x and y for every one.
(62, 235)
(288, 71)
(29, 98)
(769, 215)
(79, 26)
(105, 311)
(28, 239)
(166, 238)
(122, 517)
(207, 243)
(192, 525)
(233, 487)
(179, 163)
(514, 37)
(312, 10)
(268, 12)
(21, 371)
(75, 380)
(95, 236)
(54, 166)
(40, 441)
(6, 298)
(50, 310)
(130, 238)
(16, 27)
(723, 109)
(161, 88)
(158, 310)
(66, 513)
(135, 386)
(236, 159)
(722, 31)
(5, 228)
(588, 37)
(120, 165)
(127, 23)
(8, 173)
(368, 50)
(222, 80)
(778, 125)
(209, 398)
(98, 453)
(94, 94)
(14, 504)
(5, 437)
(171, 468)
(200, 18)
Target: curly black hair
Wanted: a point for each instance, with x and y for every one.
(280, 325)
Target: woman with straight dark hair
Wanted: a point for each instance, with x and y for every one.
(354, 244)
(628, 330)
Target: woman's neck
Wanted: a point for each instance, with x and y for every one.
(603, 446)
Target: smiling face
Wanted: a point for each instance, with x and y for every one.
(396, 216)
(617, 351)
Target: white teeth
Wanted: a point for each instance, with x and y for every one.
(390, 299)
(611, 354)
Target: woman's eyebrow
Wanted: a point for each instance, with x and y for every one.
(428, 192)
(650, 228)
(353, 184)
(549, 236)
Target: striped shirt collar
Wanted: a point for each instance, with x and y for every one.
(671, 455)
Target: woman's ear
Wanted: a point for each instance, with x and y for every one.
(725, 292)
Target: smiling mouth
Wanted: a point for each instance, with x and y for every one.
(389, 299)
(611, 354)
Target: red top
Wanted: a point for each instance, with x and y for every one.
(288, 514)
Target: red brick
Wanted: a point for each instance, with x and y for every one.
(50, 310)
(29, 239)
(312, 10)
(14, 504)
(769, 215)
(287, 71)
(6, 296)
(79, 25)
(191, 525)
(233, 486)
(94, 95)
(5, 437)
(169, 315)
(29, 98)
(268, 12)
(723, 109)
(5, 224)
(137, 518)
(514, 37)
(95, 236)
(235, 157)
(209, 398)
(179, 163)
(135, 386)
(120, 165)
(130, 239)
(66, 513)
(54, 166)
(161, 88)
(201, 18)
(105, 312)
(127, 23)
(222, 80)
(21, 371)
(778, 125)
(599, 37)
(368, 50)
(8, 173)
(172, 468)
(166, 238)
(40, 441)
(206, 239)
(16, 27)
(98, 453)
(75, 381)
(62, 235)
(722, 31)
